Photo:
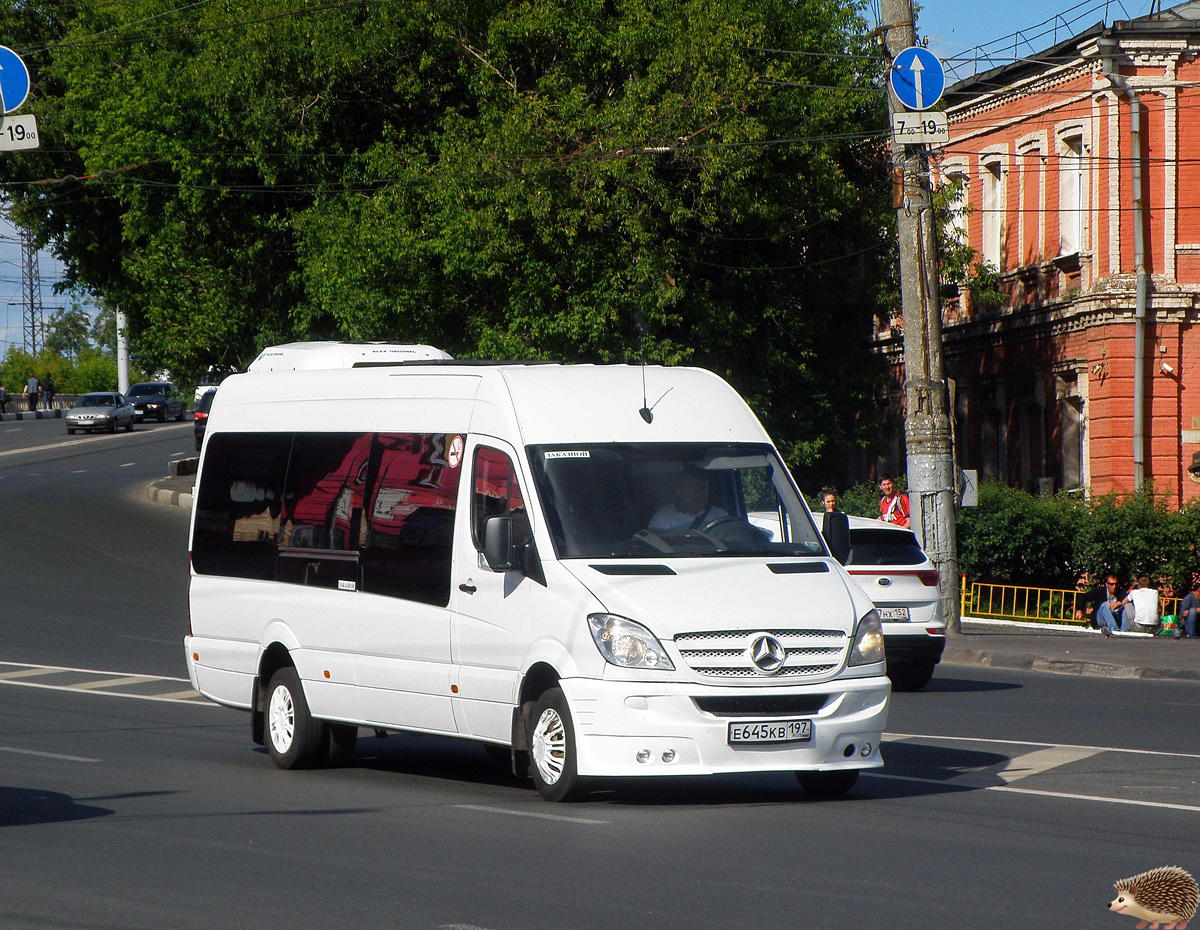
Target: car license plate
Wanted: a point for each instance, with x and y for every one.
(770, 731)
(893, 613)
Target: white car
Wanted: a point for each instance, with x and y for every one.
(889, 565)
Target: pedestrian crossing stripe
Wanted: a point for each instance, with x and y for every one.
(93, 681)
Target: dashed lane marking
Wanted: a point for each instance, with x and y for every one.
(539, 816)
(95, 681)
(46, 755)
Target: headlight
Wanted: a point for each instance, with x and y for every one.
(868, 641)
(626, 643)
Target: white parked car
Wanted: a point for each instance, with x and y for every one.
(889, 564)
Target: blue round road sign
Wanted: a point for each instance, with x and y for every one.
(14, 79)
(918, 78)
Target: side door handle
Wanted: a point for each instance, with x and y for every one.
(467, 588)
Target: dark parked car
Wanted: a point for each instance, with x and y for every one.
(100, 411)
(156, 400)
(200, 416)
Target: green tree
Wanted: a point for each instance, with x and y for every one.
(68, 330)
(591, 180)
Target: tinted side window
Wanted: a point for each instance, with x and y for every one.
(238, 504)
(497, 494)
(323, 500)
(410, 517)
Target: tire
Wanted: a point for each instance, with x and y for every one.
(910, 676)
(179, 418)
(552, 749)
(112, 427)
(129, 426)
(294, 739)
(828, 784)
(343, 737)
(162, 416)
(70, 432)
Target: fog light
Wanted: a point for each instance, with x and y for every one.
(669, 756)
(848, 751)
(865, 751)
(643, 755)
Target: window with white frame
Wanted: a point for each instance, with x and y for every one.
(1070, 195)
(992, 175)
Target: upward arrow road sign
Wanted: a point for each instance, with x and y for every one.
(917, 77)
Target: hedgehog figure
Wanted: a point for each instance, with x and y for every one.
(1166, 895)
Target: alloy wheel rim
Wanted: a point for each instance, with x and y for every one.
(281, 719)
(550, 746)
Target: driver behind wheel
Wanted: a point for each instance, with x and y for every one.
(690, 510)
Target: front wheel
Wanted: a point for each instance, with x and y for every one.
(552, 747)
(162, 416)
(294, 739)
(828, 784)
(70, 432)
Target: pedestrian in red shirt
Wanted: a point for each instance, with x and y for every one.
(893, 507)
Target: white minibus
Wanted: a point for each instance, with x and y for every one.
(596, 570)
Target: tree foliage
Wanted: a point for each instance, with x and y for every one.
(602, 180)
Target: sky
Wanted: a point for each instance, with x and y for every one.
(12, 289)
(982, 34)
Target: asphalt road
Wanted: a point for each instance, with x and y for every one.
(1009, 798)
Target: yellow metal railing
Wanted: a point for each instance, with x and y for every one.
(1037, 605)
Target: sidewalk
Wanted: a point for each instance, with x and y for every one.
(1069, 651)
(991, 643)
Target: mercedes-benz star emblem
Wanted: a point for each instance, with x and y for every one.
(767, 653)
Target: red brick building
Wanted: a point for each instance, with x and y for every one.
(1045, 385)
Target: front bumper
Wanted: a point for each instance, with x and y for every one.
(617, 721)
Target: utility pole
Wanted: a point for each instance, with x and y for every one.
(33, 326)
(931, 471)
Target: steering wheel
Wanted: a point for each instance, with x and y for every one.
(734, 531)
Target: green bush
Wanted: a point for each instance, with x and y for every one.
(1016, 538)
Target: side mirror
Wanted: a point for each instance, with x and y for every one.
(498, 544)
(836, 529)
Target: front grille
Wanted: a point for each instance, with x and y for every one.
(724, 653)
(762, 705)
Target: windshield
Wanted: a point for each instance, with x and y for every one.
(97, 400)
(146, 390)
(650, 500)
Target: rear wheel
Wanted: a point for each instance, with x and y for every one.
(129, 426)
(552, 749)
(179, 418)
(828, 784)
(294, 739)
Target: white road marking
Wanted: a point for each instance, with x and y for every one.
(21, 675)
(540, 816)
(1104, 799)
(127, 464)
(1018, 742)
(46, 755)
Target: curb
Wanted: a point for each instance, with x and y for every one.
(55, 414)
(161, 493)
(959, 655)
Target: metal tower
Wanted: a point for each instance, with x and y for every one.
(32, 328)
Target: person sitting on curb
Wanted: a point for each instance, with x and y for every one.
(1111, 605)
(1145, 606)
(1189, 609)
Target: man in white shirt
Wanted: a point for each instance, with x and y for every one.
(690, 509)
(1145, 606)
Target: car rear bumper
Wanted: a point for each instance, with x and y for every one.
(920, 647)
